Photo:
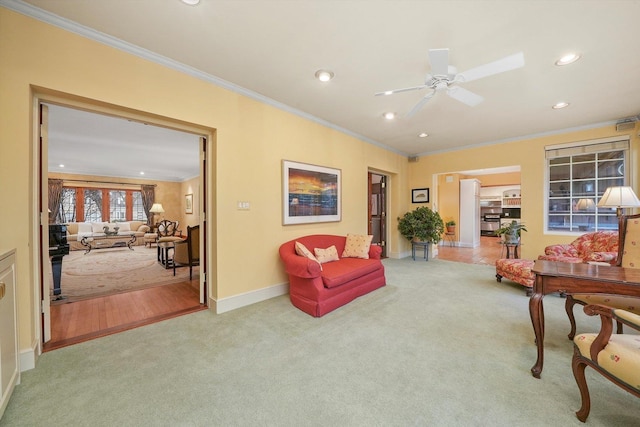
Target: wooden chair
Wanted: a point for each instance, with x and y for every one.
(168, 231)
(187, 252)
(628, 257)
(615, 356)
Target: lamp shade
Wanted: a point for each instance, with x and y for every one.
(619, 197)
(585, 205)
(157, 208)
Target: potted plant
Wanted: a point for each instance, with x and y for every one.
(451, 226)
(422, 225)
(511, 232)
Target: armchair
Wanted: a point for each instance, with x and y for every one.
(615, 356)
(187, 252)
(168, 231)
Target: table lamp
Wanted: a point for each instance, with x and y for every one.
(619, 197)
(156, 208)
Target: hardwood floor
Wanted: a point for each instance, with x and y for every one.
(488, 252)
(84, 320)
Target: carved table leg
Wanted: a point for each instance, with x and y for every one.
(537, 319)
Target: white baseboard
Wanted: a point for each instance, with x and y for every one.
(223, 305)
(28, 357)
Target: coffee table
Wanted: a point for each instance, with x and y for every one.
(106, 241)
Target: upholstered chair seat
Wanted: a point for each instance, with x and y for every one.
(615, 356)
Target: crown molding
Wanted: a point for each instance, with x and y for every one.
(81, 30)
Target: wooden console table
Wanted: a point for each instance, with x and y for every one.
(552, 276)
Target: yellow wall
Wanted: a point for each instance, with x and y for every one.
(498, 179)
(250, 140)
(191, 186)
(529, 154)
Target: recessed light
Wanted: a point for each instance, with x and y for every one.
(560, 105)
(568, 59)
(190, 2)
(423, 135)
(324, 75)
(141, 173)
(61, 166)
(389, 116)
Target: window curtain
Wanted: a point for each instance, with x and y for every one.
(55, 194)
(148, 197)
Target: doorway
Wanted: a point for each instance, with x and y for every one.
(115, 313)
(377, 216)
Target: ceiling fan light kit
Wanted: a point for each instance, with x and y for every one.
(445, 78)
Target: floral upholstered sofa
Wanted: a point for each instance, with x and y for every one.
(327, 272)
(77, 230)
(599, 246)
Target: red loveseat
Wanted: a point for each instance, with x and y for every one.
(318, 291)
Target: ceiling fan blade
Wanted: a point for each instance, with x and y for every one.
(420, 104)
(500, 66)
(406, 89)
(465, 96)
(439, 60)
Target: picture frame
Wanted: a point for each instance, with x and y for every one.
(420, 195)
(188, 203)
(310, 193)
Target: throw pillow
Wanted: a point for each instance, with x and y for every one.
(303, 251)
(98, 227)
(124, 226)
(357, 246)
(84, 227)
(326, 255)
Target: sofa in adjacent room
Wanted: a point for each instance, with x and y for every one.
(324, 276)
(77, 230)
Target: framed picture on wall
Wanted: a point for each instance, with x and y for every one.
(188, 203)
(420, 195)
(310, 193)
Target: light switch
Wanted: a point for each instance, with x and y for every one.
(243, 206)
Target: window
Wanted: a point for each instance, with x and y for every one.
(92, 205)
(117, 205)
(67, 210)
(578, 176)
(138, 213)
(78, 204)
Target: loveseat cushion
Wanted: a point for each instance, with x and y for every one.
(340, 272)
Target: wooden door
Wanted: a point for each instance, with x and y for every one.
(377, 210)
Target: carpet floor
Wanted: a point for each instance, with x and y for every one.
(111, 271)
(443, 344)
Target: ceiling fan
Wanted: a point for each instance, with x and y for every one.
(445, 77)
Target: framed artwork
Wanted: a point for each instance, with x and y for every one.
(310, 193)
(188, 203)
(420, 195)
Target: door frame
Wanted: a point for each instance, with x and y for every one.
(384, 235)
(39, 195)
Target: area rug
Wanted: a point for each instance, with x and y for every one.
(110, 271)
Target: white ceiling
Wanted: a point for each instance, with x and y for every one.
(270, 49)
(81, 142)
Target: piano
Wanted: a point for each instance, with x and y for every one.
(58, 247)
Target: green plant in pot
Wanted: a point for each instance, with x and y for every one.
(511, 232)
(422, 224)
(451, 226)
